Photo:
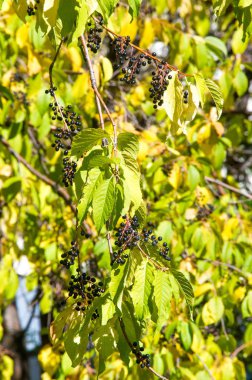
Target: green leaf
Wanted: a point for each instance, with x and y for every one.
(107, 69)
(128, 142)
(67, 15)
(202, 88)
(86, 140)
(107, 7)
(103, 202)
(237, 43)
(4, 92)
(134, 7)
(217, 46)
(93, 180)
(86, 8)
(240, 82)
(104, 341)
(117, 283)
(213, 311)
(162, 296)
(76, 338)
(58, 325)
(245, 3)
(216, 95)
(185, 334)
(11, 188)
(142, 289)
(173, 103)
(185, 287)
(50, 12)
(131, 182)
(193, 177)
(190, 109)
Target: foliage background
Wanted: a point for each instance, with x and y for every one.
(179, 178)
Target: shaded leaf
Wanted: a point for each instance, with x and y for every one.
(103, 202)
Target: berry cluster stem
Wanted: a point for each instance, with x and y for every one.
(131, 346)
(51, 80)
(156, 265)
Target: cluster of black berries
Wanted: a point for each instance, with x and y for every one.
(204, 212)
(84, 289)
(120, 46)
(159, 83)
(31, 9)
(69, 170)
(185, 96)
(211, 329)
(51, 90)
(94, 38)
(134, 67)
(21, 97)
(72, 125)
(129, 236)
(68, 257)
(141, 358)
(163, 249)
(84, 233)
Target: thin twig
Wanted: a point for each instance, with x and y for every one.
(156, 265)
(224, 328)
(92, 78)
(240, 348)
(57, 188)
(131, 346)
(205, 366)
(221, 263)
(229, 187)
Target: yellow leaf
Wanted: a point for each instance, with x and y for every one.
(33, 63)
(230, 228)
(219, 128)
(75, 58)
(22, 36)
(48, 359)
(148, 35)
(81, 86)
(107, 69)
(175, 177)
(204, 133)
(239, 293)
(203, 195)
(201, 289)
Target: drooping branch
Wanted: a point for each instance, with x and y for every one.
(146, 53)
(57, 188)
(240, 348)
(229, 187)
(131, 346)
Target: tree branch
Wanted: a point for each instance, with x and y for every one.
(229, 187)
(148, 54)
(57, 188)
(240, 348)
(221, 263)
